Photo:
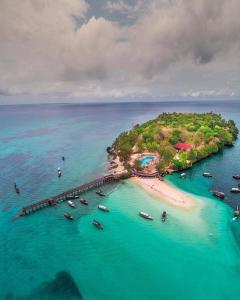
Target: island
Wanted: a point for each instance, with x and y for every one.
(172, 142)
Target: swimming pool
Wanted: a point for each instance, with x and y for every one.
(146, 160)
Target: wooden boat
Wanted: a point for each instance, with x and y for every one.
(83, 201)
(97, 224)
(236, 176)
(103, 208)
(220, 195)
(235, 190)
(145, 215)
(71, 204)
(68, 216)
(100, 193)
(206, 174)
(164, 216)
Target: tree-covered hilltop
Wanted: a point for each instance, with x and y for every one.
(204, 134)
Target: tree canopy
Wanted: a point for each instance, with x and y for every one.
(206, 133)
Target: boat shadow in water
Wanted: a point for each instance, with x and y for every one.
(61, 288)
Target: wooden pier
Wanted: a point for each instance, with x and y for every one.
(63, 197)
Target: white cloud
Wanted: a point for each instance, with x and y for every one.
(174, 47)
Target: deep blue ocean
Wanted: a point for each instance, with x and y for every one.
(194, 255)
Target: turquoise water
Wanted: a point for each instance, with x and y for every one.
(146, 160)
(193, 255)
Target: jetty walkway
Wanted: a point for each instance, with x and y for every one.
(64, 196)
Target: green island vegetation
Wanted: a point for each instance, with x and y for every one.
(197, 135)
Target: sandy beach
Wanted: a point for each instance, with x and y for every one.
(165, 192)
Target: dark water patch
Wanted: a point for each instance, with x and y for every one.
(61, 288)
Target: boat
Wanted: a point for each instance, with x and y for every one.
(71, 204)
(145, 215)
(68, 216)
(100, 193)
(235, 190)
(72, 197)
(17, 190)
(206, 174)
(164, 216)
(103, 208)
(182, 175)
(97, 224)
(59, 173)
(236, 176)
(237, 213)
(83, 201)
(220, 195)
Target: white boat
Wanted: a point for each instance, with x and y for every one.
(183, 175)
(145, 215)
(235, 190)
(206, 174)
(103, 208)
(71, 204)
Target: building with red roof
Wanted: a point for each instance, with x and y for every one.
(183, 146)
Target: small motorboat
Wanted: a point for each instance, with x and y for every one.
(59, 174)
(68, 216)
(100, 193)
(164, 216)
(72, 197)
(83, 201)
(182, 175)
(220, 195)
(237, 213)
(206, 174)
(17, 190)
(145, 215)
(71, 204)
(97, 224)
(235, 190)
(236, 176)
(103, 208)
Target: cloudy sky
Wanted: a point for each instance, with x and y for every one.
(85, 50)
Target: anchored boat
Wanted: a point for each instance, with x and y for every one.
(164, 216)
(236, 176)
(206, 174)
(237, 213)
(97, 224)
(145, 215)
(71, 204)
(103, 208)
(72, 197)
(68, 216)
(235, 190)
(182, 175)
(100, 193)
(83, 201)
(220, 195)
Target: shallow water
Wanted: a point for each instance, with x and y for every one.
(193, 255)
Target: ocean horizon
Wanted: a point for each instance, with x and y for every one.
(194, 255)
